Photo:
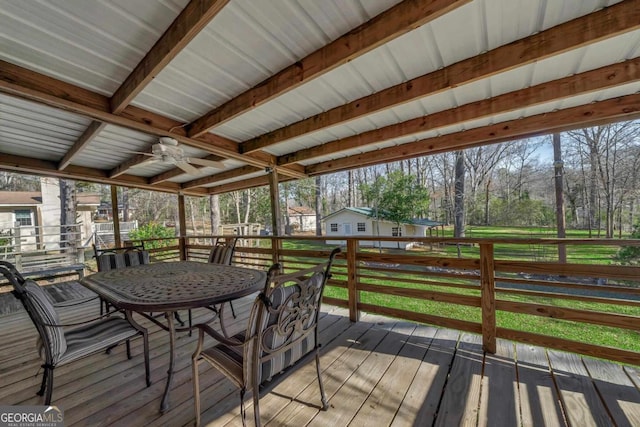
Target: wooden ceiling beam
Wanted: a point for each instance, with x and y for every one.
(258, 181)
(193, 18)
(30, 165)
(230, 174)
(611, 110)
(172, 173)
(577, 84)
(392, 23)
(85, 139)
(606, 23)
(27, 84)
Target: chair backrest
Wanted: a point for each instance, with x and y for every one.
(117, 258)
(284, 319)
(42, 313)
(222, 252)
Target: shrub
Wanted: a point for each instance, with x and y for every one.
(153, 230)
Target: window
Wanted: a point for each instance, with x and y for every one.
(334, 227)
(23, 217)
(362, 227)
(396, 231)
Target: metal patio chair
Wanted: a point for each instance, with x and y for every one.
(59, 344)
(282, 330)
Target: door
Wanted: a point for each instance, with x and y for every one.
(347, 229)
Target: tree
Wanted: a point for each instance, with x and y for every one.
(397, 197)
(67, 212)
(458, 218)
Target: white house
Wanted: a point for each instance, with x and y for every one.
(38, 214)
(362, 222)
(302, 218)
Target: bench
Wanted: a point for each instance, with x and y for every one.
(54, 272)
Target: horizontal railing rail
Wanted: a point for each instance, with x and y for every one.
(501, 288)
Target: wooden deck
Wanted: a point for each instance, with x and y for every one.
(377, 372)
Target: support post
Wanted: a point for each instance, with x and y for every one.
(182, 221)
(17, 246)
(276, 220)
(488, 298)
(352, 280)
(115, 216)
(560, 216)
(79, 247)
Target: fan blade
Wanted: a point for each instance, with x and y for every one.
(187, 168)
(205, 162)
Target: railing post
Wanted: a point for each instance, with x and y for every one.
(182, 220)
(352, 280)
(79, 247)
(17, 246)
(488, 292)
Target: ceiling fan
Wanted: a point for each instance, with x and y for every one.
(167, 151)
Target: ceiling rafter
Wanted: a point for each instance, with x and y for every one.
(193, 18)
(577, 84)
(27, 84)
(259, 181)
(233, 173)
(606, 23)
(48, 168)
(392, 23)
(172, 173)
(85, 139)
(616, 109)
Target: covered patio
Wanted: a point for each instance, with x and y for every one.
(228, 95)
(378, 371)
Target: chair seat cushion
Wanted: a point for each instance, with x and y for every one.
(227, 359)
(95, 336)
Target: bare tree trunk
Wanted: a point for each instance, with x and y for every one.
(593, 188)
(67, 212)
(458, 226)
(560, 217)
(350, 189)
(125, 204)
(486, 202)
(214, 208)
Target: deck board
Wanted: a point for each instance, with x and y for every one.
(378, 371)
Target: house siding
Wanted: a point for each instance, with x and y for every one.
(347, 222)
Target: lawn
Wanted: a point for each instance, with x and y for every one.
(584, 332)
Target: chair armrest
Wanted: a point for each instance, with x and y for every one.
(218, 336)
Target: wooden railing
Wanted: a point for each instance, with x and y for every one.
(500, 288)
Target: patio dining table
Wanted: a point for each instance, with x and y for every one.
(167, 287)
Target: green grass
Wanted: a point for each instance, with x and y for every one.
(583, 332)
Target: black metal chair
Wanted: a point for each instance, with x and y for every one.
(282, 330)
(222, 253)
(59, 345)
(116, 258)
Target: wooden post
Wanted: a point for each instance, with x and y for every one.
(488, 292)
(352, 280)
(182, 221)
(79, 247)
(116, 219)
(560, 216)
(17, 246)
(276, 221)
